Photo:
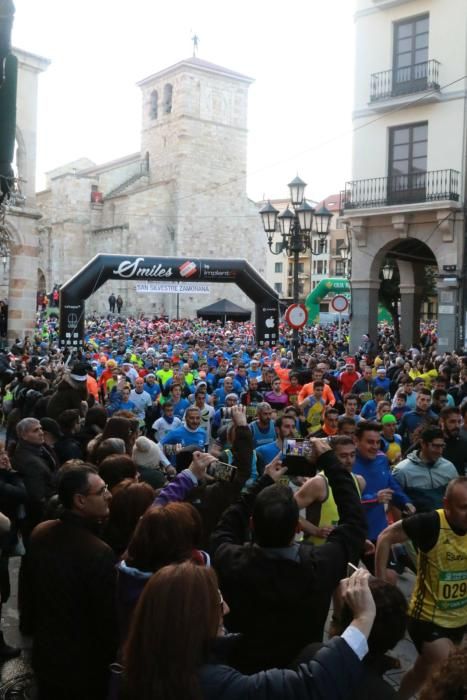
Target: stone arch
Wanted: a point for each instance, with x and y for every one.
(411, 256)
(412, 250)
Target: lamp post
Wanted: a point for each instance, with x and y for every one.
(296, 224)
(387, 271)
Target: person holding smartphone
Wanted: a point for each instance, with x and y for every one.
(279, 590)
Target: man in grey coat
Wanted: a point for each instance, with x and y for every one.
(425, 473)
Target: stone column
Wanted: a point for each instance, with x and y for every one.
(448, 331)
(411, 300)
(364, 312)
(24, 253)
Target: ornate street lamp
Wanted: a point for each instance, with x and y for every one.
(295, 224)
(344, 252)
(388, 271)
(322, 224)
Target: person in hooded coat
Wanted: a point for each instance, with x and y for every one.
(71, 392)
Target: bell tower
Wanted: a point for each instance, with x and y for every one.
(194, 127)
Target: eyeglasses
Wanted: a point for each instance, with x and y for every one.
(102, 491)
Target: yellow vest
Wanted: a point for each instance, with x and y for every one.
(313, 417)
(329, 514)
(440, 593)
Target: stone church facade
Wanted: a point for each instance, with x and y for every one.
(183, 194)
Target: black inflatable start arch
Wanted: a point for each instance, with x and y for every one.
(102, 268)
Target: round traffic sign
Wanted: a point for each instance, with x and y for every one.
(339, 303)
(296, 315)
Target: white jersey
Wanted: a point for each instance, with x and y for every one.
(142, 401)
(207, 414)
(161, 427)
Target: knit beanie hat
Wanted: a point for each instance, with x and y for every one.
(387, 419)
(146, 453)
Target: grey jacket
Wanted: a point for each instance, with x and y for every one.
(424, 483)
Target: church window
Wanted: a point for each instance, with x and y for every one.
(154, 104)
(168, 98)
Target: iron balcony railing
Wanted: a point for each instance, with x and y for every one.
(433, 186)
(405, 81)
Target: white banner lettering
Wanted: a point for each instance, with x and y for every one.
(173, 288)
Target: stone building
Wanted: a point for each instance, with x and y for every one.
(183, 194)
(19, 250)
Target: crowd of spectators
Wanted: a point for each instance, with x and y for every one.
(190, 507)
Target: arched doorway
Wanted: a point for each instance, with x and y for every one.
(408, 273)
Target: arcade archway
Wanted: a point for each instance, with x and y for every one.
(101, 268)
(416, 269)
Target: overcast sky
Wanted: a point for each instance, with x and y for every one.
(300, 54)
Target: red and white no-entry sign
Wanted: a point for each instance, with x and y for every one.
(296, 315)
(340, 303)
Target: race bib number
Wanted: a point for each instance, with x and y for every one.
(452, 590)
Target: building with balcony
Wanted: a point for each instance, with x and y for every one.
(405, 201)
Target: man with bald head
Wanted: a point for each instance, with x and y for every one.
(438, 607)
(142, 400)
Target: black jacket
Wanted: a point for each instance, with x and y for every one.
(68, 447)
(35, 466)
(456, 452)
(333, 674)
(280, 599)
(67, 604)
(212, 500)
(69, 394)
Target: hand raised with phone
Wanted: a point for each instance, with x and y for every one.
(200, 463)
(275, 469)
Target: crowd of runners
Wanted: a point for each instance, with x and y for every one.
(199, 517)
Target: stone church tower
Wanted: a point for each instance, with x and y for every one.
(184, 194)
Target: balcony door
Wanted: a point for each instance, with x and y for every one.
(407, 164)
(410, 60)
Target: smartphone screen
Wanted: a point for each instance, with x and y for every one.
(295, 456)
(222, 471)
